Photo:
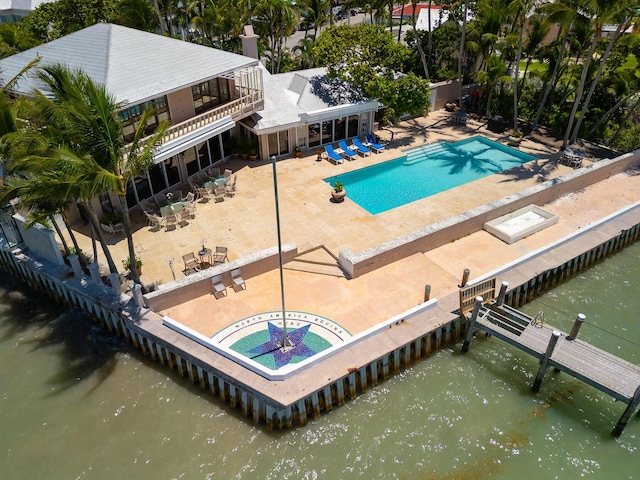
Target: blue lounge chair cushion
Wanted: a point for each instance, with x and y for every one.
(373, 144)
(332, 154)
(360, 146)
(346, 150)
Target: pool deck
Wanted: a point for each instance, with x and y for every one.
(313, 283)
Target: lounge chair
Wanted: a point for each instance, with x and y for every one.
(333, 155)
(362, 150)
(191, 263)
(371, 143)
(238, 281)
(346, 151)
(219, 290)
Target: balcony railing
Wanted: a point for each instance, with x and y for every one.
(236, 109)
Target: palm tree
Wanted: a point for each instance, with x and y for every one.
(316, 12)
(275, 20)
(565, 14)
(496, 72)
(463, 36)
(423, 58)
(622, 12)
(523, 10)
(81, 119)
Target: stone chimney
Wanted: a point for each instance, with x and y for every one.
(249, 42)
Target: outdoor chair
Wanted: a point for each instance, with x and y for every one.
(238, 281)
(189, 197)
(154, 220)
(203, 194)
(220, 255)
(191, 263)
(227, 173)
(346, 151)
(333, 156)
(219, 290)
(362, 150)
(170, 221)
(230, 188)
(215, 172)
(371, 143)
(218, 194)
(189, 210)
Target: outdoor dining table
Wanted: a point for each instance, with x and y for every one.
(173, 208)
(217, 183)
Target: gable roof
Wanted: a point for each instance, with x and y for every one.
(134, 66)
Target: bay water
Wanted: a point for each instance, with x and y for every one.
(77, 403)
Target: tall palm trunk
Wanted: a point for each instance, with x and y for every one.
(623, 123)
(523, 27)
(461, 51)
(604, 117)
(596, 80)
(580, 90)
(95, 224)
(67, 252)
(423, 57)
(126, 226)
(551, 82)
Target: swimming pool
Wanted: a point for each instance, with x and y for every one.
(427, 170)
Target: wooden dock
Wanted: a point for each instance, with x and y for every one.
(602, 370)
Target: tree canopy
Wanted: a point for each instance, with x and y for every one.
(369, 57)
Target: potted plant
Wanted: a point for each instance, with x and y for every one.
(127, 265)
(297, 152)
(111, 223)
(338, 192)
(515, 138)
(253, 150)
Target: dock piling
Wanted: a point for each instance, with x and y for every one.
(576, 326)
(633, 404)
(472, 324)
(544, 363)
(427, 292)
(502, 294)
(465, 278)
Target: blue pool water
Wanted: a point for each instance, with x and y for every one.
(427, 170)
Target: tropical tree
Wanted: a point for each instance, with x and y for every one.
(622, 12)
(138, 14)
(315, 12)
(368, 57)
(275, 21)
(523, 10)
(88, 156)
(495, 73)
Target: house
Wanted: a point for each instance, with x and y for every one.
(307, 109)
(202, 91)
(209, 96)
(12, 11)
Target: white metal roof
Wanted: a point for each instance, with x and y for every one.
(133, 65)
